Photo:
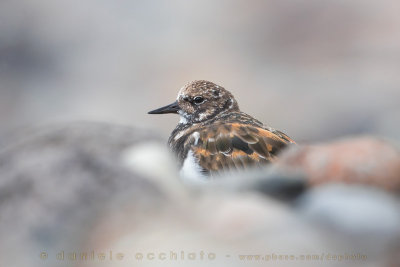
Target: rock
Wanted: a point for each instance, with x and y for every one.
(55, 181)
(363, 160)
(367, 216)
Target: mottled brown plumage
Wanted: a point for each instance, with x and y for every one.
(216, 134)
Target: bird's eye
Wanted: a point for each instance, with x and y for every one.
(198, 100)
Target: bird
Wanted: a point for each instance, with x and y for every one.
(214, 136)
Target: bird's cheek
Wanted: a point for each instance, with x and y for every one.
(205, 113)
(191, 109)
(188, 109)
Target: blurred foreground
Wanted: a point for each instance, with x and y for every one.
(110, 195)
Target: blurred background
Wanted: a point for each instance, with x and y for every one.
(317, 70)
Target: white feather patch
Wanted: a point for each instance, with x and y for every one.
(183, 120)
(183, 117)
(191, 170)
(196, 136)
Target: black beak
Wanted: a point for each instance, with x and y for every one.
(171, 108)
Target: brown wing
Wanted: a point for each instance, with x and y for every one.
(236, 146)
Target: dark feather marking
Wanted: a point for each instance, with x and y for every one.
(223, 144)
(241, 145)
(261, 148)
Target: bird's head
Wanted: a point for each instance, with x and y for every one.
(199, 101)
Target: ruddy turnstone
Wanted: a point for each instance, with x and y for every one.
(213, 135)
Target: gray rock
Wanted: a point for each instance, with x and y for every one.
(367, 216)
(56, 180)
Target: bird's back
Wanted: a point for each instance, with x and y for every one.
(230, 141)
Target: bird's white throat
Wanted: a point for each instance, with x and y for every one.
(183, 117)
(183, 120)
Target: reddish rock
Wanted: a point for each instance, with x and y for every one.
(364, 160)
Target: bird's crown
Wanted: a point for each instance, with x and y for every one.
(203, 100)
